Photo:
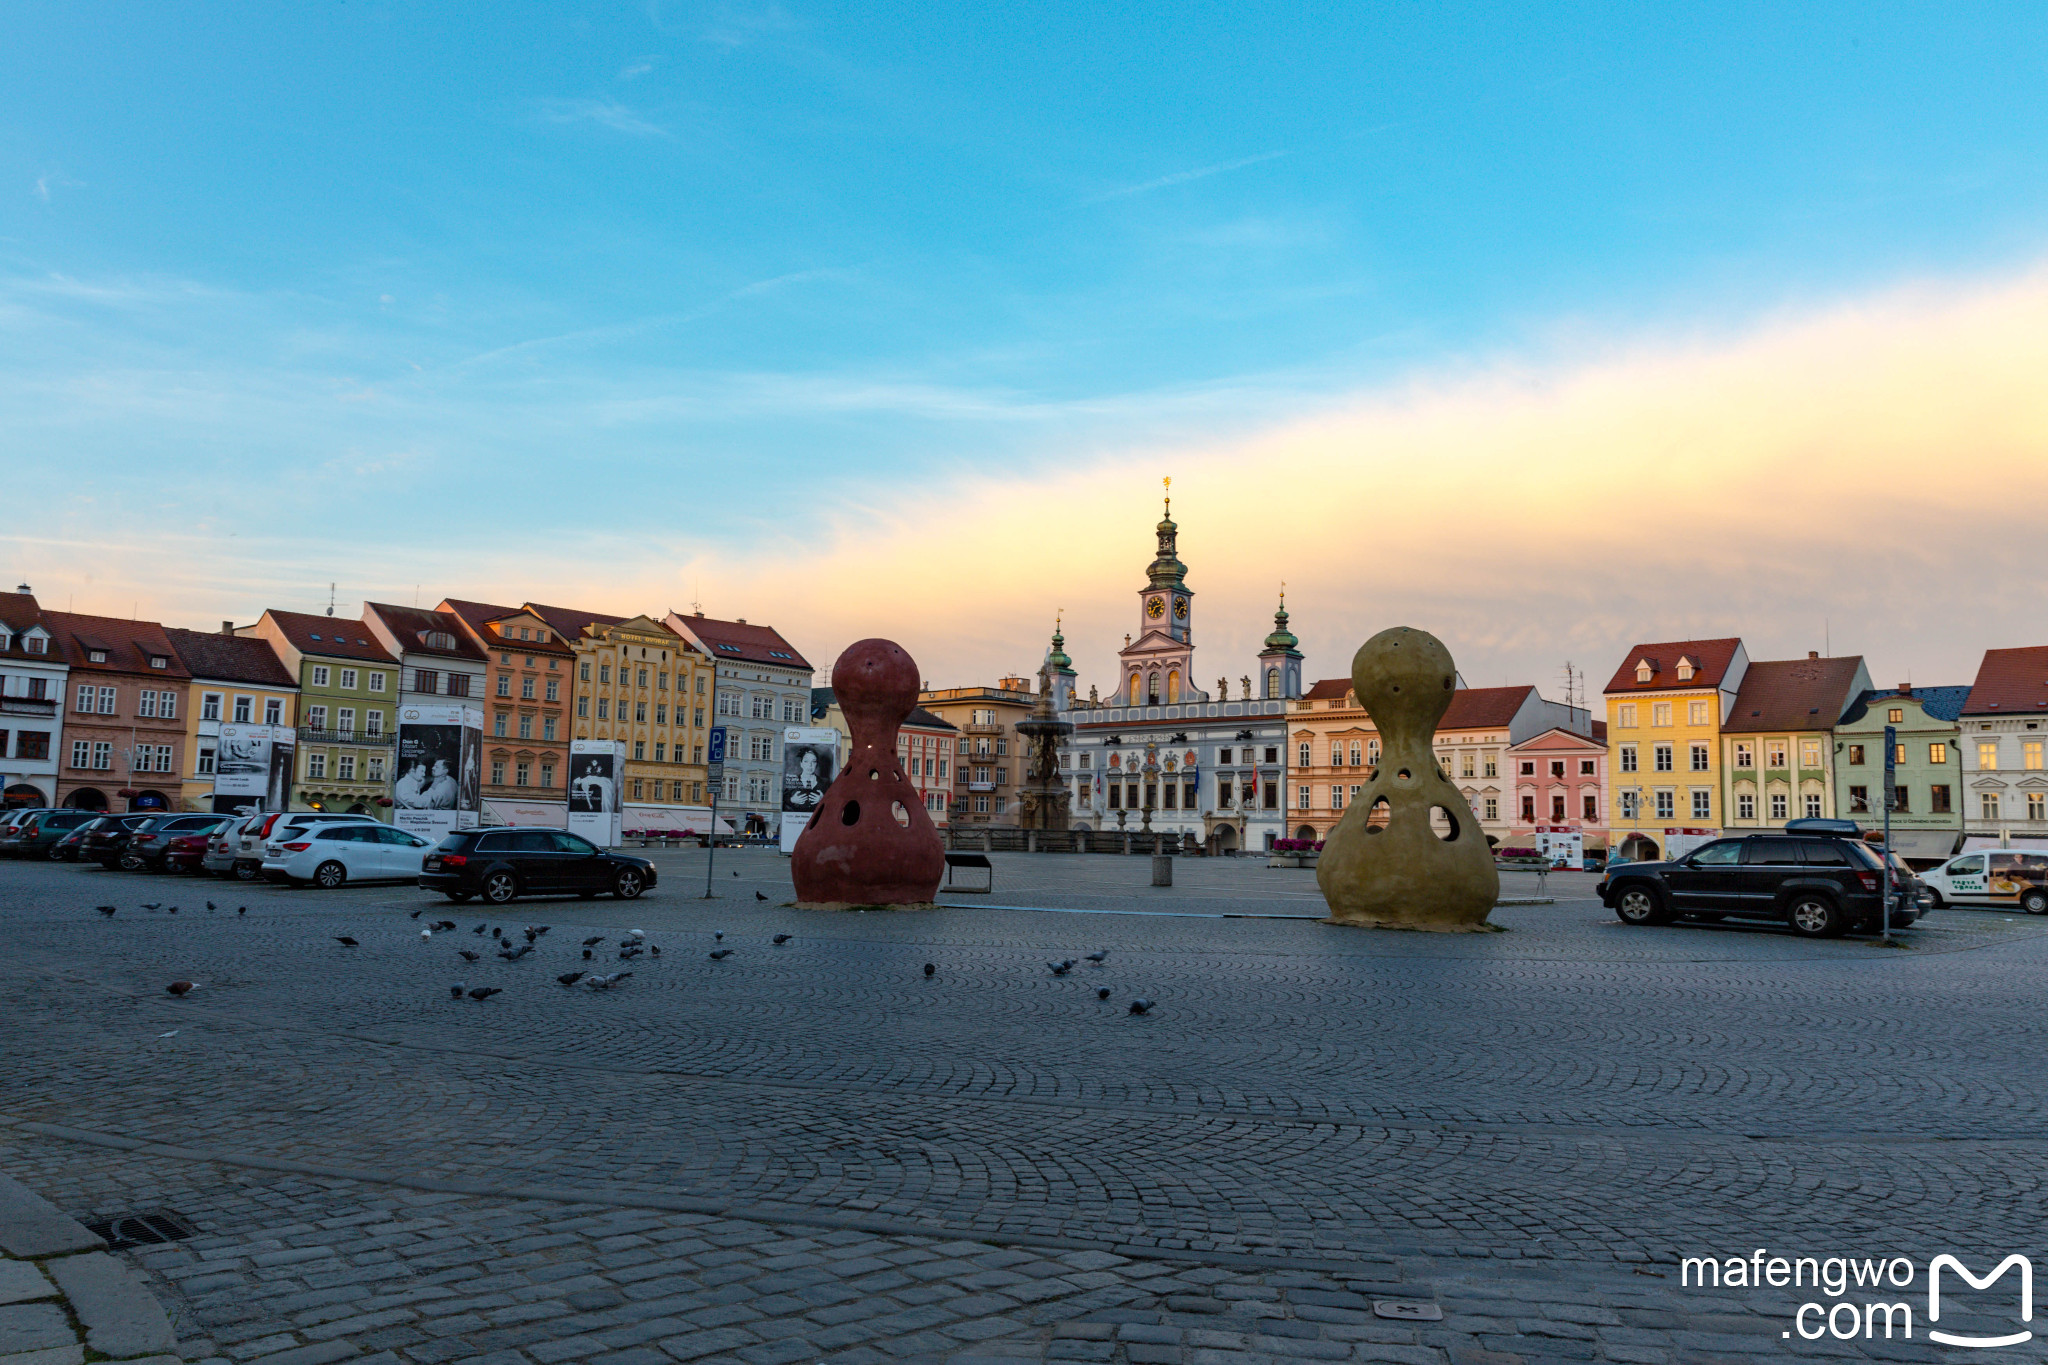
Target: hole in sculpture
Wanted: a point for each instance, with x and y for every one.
(1397, 687)
(874, 776)
(1443, 824)
(851, 815)
(902, 815)
(1447, 685)
(1402, 775)
(1378, 816)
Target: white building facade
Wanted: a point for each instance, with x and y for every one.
(763, 686)
(32, 675)
(2004, 742)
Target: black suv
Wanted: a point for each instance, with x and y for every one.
(1822, 886)
(500, 864)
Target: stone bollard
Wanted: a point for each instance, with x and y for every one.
(1162, 869)
(988, 841)
(1031, 841)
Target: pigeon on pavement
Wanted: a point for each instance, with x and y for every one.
(426, 933)
(605, 983)
(1096, 957)
(209, 905)
(153, 905)
(593, 940)
(514, 954)
(107, 910)
(929, 969)
(181, 988)
(654, 948)
(455, 991)
(467, 955)
(721, 954)
(478, 930)
(781, 939)
(586, 954)
(1102, 994)
(759, 897)
(344, 940)
(718, 935)
(485, 992)
(416, 914)
(1140, 1006)
(173, 910)
(570, 978)
(1060, 968)
(242, 910)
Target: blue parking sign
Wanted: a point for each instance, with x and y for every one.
(717, 752)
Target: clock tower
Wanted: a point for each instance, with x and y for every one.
(1158, 665)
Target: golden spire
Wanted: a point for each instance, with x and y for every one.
(1168, 481)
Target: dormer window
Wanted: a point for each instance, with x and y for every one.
(159, 661)
(1685, 670)
(6, 642)
(97, 656)
(1644, 672)
(541, 636)
(36, 643)
(437, 639)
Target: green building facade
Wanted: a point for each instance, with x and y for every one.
(1927, 820)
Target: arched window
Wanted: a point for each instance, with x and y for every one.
(1134, 689)
(1272, 682)
(1173, 685)
(1152, 689)
(1306, 760)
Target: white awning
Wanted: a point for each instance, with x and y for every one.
(1923, 843)
(681, 819)
(555, 816)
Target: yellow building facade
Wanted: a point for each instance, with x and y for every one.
(638, 682)
(236, 680)
(1666, 706)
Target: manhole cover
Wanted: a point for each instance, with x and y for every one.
(141, 1229)
(1407, 1311)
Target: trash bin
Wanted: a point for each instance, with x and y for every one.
(1162, 869)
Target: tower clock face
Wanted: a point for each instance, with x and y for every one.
(1155, 608)
(1180, 608)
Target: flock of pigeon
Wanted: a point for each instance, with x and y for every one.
(632, 944)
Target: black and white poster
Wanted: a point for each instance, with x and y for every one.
(810, 760)
(595, 810)
(434, 788)
(252, 765)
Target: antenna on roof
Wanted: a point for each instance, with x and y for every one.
(330, 599)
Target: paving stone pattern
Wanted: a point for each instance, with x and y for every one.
(814, 1152)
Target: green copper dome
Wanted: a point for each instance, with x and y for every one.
(1282, 640)
(1058, 658)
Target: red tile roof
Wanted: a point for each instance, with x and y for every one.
(129, 644)
(2010, 682)
(231, 658)
(738, 640)
(570, 621)
(1329, 689)
(1475, 708)
(1710, 660)
(413, 625)
(20, 612)
(1794, 694)
(333, 637)
(478, 616)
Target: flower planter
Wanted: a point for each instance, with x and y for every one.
(1290, 860)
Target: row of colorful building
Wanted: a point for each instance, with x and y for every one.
(1696, 740)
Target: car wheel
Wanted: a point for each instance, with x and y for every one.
(329, 875)
(130, 863)
(2035, 902)
(248, 872)
(630, 884)
(500, 887)
(1817, 917)
(459, 897)
(55, 856)
(1639, 905)
(1935, 900)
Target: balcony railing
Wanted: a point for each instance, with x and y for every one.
(28, 706)
(308, 736)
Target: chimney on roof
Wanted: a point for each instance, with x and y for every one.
(1904, 689)
(24, 589)
(700, 614)
(1813, 654)
(227, 627)
(739, 621)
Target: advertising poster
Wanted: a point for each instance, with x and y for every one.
(1563, 847)
(253, 765)
(810, 760)
(436, 786)
(595, 810)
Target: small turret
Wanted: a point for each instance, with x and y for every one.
(1280, 660)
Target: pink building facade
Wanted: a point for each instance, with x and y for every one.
(1560, 780)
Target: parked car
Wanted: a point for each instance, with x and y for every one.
(108, 839)
(14, 815)
(187, 852)
(149, 844)
(2000, 876)
(501, 864)
(223, 848)
(332, 853)
(68, 847)
(1822, 884)
(35, 836)
(245, 839)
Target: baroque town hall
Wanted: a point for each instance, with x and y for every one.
(1162, 754)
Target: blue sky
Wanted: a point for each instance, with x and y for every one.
(479, 297)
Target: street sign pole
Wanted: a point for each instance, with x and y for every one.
(1891, 791)
(714, 773)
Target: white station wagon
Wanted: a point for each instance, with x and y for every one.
(329, 855)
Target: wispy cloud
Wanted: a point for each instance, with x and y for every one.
(606, 113)
(1183, 177)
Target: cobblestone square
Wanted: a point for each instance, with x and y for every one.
(815, 1151)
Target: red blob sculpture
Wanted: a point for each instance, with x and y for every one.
(870, 841)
